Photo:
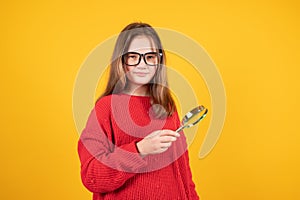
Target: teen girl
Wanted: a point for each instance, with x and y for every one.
(129, 149)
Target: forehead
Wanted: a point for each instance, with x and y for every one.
(141, 43)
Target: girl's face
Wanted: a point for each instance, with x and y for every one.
(141, 49)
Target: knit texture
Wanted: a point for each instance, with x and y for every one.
(111, 166)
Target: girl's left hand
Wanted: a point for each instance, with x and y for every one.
(157, 142)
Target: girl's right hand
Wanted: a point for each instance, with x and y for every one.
(157, 142)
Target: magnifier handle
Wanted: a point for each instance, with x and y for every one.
(180, 129)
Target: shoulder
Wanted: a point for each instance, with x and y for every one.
(103, 106)
(103, 102)
(174, 113)
(106, 102)
(175, 117)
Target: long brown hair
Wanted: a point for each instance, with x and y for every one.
(158, 86)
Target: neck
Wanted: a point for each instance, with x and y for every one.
(137, 90)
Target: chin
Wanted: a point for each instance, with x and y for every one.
(138, 82)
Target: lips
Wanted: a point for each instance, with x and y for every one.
(141, 74)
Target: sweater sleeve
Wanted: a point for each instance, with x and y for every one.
(193, 194)
(104, 166)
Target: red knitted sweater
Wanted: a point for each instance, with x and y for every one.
(111, 166)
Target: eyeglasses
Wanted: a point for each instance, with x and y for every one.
(134, 58)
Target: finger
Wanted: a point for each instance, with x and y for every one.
(169, 133)
(165, 139)
(165, 145)
(153, 134)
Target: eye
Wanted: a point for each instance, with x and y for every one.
(132, 56)
(151, 56)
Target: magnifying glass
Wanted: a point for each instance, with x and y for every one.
(193, 117)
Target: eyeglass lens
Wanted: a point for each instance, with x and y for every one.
(134, 58)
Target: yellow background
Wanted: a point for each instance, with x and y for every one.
(255, 45)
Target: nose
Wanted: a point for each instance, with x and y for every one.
(142, 63)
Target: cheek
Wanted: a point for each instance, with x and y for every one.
(128, 68)
(153, 71)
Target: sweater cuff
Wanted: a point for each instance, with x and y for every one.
(132, 155)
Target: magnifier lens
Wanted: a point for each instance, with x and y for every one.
(193, 117)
